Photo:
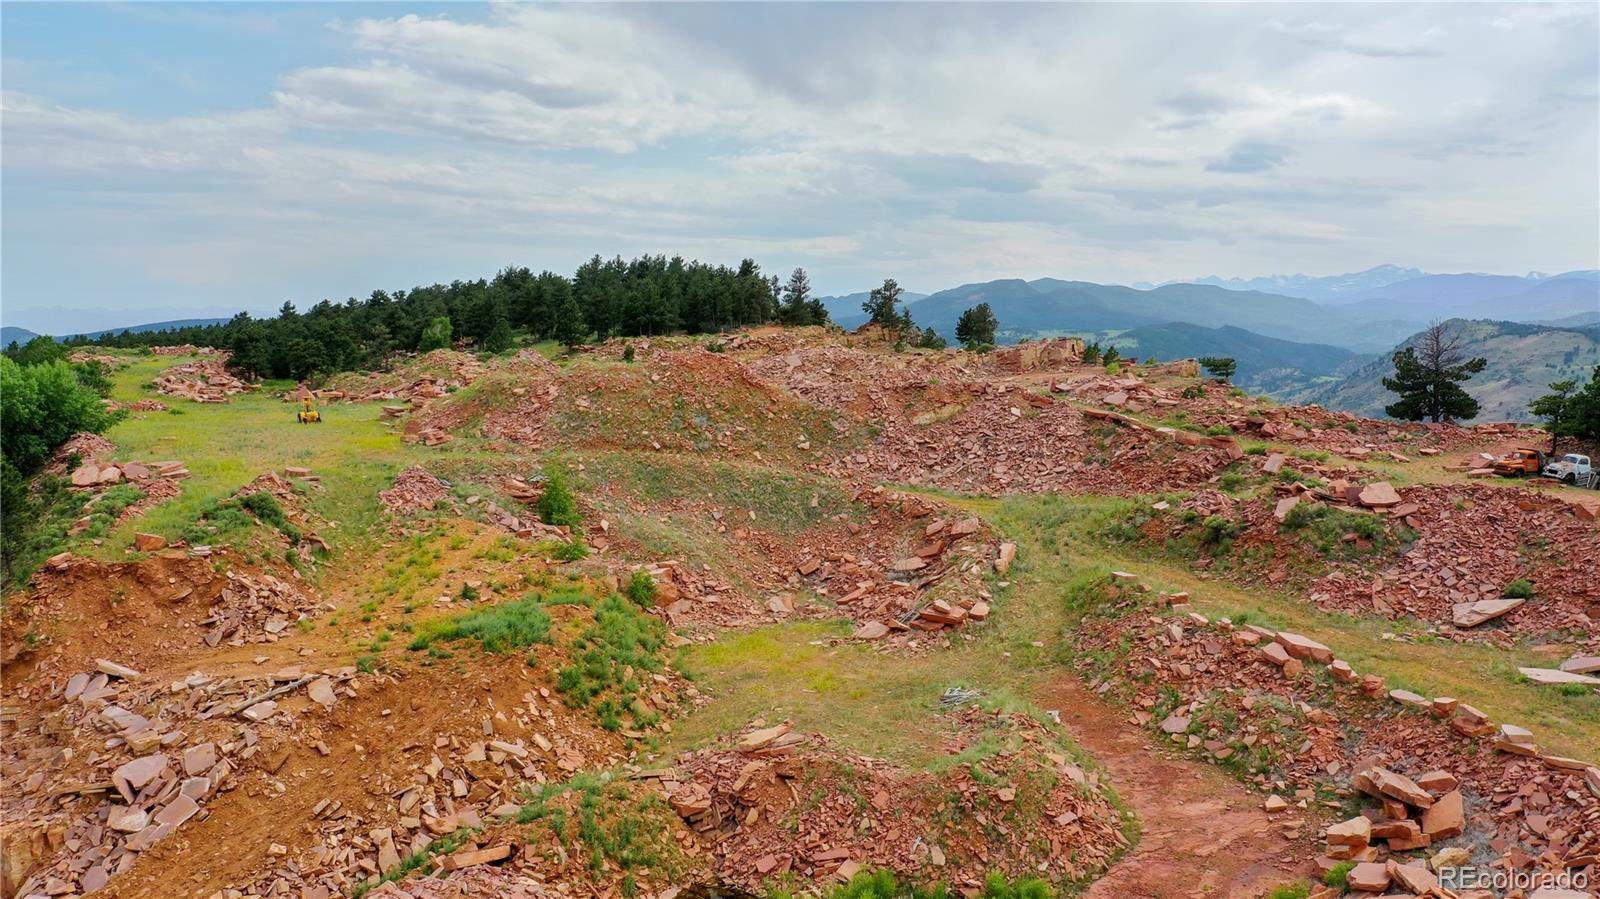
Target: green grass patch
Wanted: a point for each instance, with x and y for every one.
(501, 628)
(619, 828)
(609, 658)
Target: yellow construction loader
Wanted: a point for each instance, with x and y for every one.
(308, 413)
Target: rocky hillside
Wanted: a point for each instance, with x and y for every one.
(787, 610)
(1523, 360)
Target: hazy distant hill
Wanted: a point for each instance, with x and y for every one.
(1052, 306)
(23, 335)
(1266, 364)
(1355, 311)
(1523, 360)
(1319, 288)
(8, 335)
(159, 326)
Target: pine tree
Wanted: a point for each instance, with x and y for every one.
(567, 322)
(880, 306)
(1428, 378)
(498, 340)
(1220, 367)
(976, 326)
(798, 308)
(1569, 410)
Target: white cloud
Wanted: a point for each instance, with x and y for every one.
(1106, 142)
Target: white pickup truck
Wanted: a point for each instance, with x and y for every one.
(1572, 469)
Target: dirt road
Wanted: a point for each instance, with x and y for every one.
(1204, 834)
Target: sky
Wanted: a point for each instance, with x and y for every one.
(164, 161)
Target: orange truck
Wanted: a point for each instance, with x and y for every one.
(1520, 463)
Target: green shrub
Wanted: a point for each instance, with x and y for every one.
(1219, 531)
(1291, 891)
(265, 507)
(1520, 588)
(41, 405)
(1338, 876)
(558, 505)
(642, 589)
(436, 335)
(574, 550)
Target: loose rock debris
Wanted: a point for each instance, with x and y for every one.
(1248, 692)
(742, 796)
(206, 381)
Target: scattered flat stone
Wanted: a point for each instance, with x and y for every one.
(872, 630)
(1380, 495)
(1553, 676)
(177, 811)
(1415, 878)
(1472, 614)
(1581, 664)
(1284, 507)
(760, 739)
(1563, 763)
(132, 776)
(1514, 734)
(127, 819)
(321, 692)
(199, 759)
(106, 666)
(1355, 832)
(1439, 782)
(1304, 648)
(1445, 818)
(261, 711)
(1370, 877)
(469, 858)
(1008, 554)
(148, 542)
(1406, 697)
(1400, 787)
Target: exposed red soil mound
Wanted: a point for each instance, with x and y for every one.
(770, 802)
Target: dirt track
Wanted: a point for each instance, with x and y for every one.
(1204, 834)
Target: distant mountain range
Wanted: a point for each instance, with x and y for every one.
(9, 334)
(1310, 339)
(1364, 319)
(1266, 364)
(1312, 287)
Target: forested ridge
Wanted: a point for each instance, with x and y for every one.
(650, 295)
